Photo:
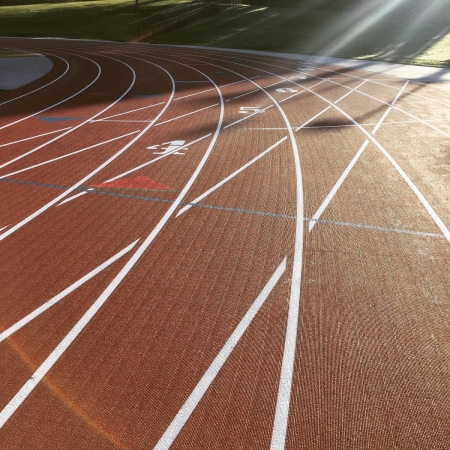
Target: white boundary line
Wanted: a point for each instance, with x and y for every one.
(45, 85)
(34, 137)
(67, 155)
(47, 305)
(207, 379)
(102, 166)
(335, 188)
(43, 369)
(413, 187)
(77, 126)
(128, 112)
(69, 199)
(287, 367)
(157, 159)
(60, 102)
(229, 177)
(342, 178)
(188, 114)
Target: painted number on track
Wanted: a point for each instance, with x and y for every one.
(173, 148)
(250, 110)
(286, 90)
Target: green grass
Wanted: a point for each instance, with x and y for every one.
(401, 36)
(395, 38)
(94, 19)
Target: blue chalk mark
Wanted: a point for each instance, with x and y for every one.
(57, 119)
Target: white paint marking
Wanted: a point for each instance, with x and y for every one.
(128, 112)
(312, 118)
(62, 101)
(207, 379)
(81, 124)
(338, 184)
(389, 109)
(102, 166)
(29, 317)
(67, 155)
(72, 198)
(23, 393)
(122, 121)
(45, 85)
(247, 117)
(2, 228)
(195, 93)
(34, 137)
(349, 92)
(156, 159)
(229, 177)
(188, 114)
(255, 90)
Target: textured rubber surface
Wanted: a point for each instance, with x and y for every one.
(207, 250)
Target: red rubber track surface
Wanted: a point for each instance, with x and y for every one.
(198, 339)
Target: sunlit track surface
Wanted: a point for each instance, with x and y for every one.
(208, 250)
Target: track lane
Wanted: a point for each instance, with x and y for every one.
(235, 376)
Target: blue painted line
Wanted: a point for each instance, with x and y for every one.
(57, 119)
(223, 208)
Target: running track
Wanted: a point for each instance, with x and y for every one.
(206, 250)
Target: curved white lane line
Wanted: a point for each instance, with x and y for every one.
(401, 90)
(102, 166)
(48, 161)
(60, 102)
(229, 177)
(45, 85)
(48, 304)
(49, 362)
(264, 60)
(209, 376)
(35, 137)
(287, 366)
(413, 187)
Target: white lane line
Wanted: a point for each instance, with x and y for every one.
(335, 188)
(34, 137)
(229, 177)
(287, 367)
(426, 123)
(38, 311)
(209, 376)
(256, 90)
(247, 117)
(81, 124)
(188, 114)
(72, 198)
(128, 112)
(413, 187)
(2, 228)
(349, 92)
(62, 101)
(195, 93)
(323, 111)
(67, 155)
(389, 109)
(157, 159)
(312, 118)
(342, 178)
(102, 166)
(121, 121)
(45, 85)
(43, 369)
